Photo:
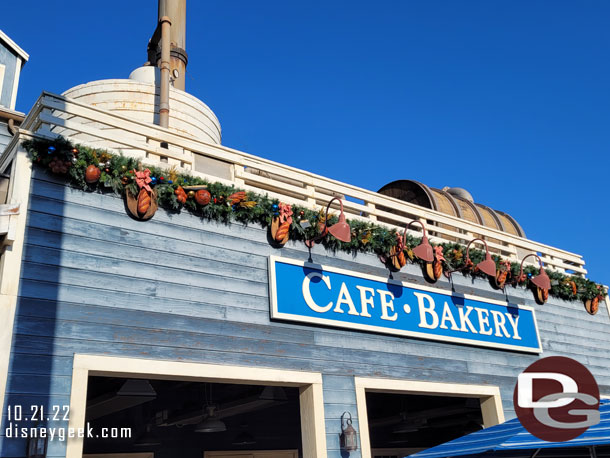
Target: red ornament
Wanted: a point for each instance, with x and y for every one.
(92, 174)
(202, 197)
(161, 178)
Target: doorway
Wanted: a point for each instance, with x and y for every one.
(170, 405)
(401, 417)
(197, 418)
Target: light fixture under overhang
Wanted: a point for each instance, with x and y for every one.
(408, 426)
(133, 392)
(211, 424)
(273, 393)
(137, 387)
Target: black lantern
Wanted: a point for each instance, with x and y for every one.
(349, 437)
(37, 445)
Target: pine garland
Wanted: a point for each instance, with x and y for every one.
(61, 157)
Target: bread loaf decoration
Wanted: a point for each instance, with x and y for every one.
(282, 231)
(542, 295)
(236, 197)
(438, 261)
(143, 202)
(280, 225)
(144, 205)
(434, 270)
(397, 259)
(502, 274)
(594, 306)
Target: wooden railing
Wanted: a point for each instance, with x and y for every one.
(55, 115)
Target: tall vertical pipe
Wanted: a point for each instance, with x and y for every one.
(176, 11)
(165, 52)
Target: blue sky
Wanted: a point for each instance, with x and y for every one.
(509, 99)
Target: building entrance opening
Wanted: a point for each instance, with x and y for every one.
(191, 419)
(400, 424)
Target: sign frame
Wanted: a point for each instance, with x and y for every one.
(277, 315)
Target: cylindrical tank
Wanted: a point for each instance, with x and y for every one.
(138, 98)
(452, 201)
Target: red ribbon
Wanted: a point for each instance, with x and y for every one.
(400, 243)
(142, 179)
(285, 213)
(438, 253)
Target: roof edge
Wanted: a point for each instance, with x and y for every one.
(24, 55)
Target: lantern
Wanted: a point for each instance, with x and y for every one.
(349, 437)
(339, 230)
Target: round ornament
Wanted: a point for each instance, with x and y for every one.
(180, 194)
(203, 197)
(191, 194)
(92, 174)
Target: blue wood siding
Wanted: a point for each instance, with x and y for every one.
(177, 288)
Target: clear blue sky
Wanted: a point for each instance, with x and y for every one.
(509, 99)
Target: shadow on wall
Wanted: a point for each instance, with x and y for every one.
(40, 370)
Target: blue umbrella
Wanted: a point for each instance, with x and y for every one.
(509, 436)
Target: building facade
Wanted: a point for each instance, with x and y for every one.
(187, 330)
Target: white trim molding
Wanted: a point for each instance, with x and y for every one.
(490, 398)
(14, 46)
(10, 261)
(309, 384)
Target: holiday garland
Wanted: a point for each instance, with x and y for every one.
(97, 170)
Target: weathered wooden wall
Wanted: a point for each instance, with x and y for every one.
(5, 136)
(95, 281)
(9, 60)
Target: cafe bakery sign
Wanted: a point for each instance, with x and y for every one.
(311, 293)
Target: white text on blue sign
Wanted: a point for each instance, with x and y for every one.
(315, 294)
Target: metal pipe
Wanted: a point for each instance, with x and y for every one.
(11, 127)
(176, 11)
(165, 51)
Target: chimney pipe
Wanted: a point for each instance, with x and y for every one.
(165, 69)
(175, 10)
